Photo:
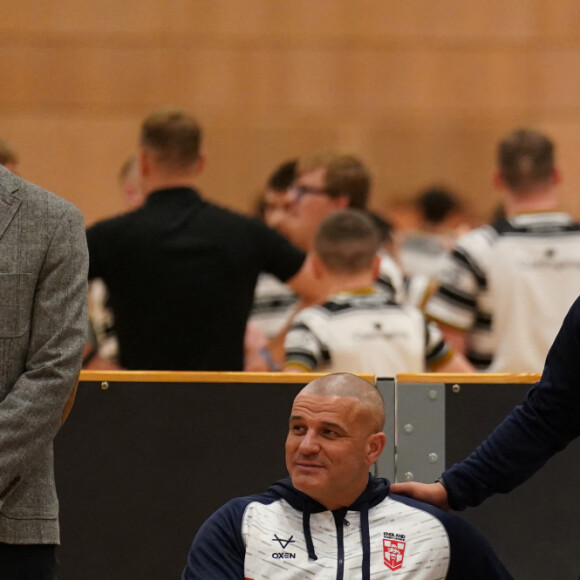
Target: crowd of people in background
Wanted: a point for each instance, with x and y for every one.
(315, 280)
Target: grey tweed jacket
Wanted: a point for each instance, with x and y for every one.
(43, 277)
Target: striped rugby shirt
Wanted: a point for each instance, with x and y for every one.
(364, 332)
(275, 302)
(510, 285)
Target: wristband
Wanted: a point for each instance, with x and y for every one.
(442, 482)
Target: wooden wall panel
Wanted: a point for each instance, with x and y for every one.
(422, 91)
(240, 161)
(74, 156)
(360, 82)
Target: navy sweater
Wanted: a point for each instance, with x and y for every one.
(543, 424)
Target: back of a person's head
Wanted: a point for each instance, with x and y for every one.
(347, 242)
(436, 204)
(345, 175)
(525, 159)
(174, 138)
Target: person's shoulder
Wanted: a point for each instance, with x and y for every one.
(471, 554)
(38, 205)
(310, 317)
(249, 226)
(232, 512)
(478, 238)
(330, 308)
(447, 519)
(232, 215)
(35, 196)
(122, 222)
(265, 497)
(457, 528)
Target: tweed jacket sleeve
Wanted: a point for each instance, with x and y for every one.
(43, 301)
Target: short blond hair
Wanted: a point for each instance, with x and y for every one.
(349, 385)
(525, 159)
(347, 241)
(173, 136)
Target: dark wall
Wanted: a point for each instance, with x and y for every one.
(535, 529)
(140, 466)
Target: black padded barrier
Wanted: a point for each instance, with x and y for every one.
(140, 466)
(535, 529)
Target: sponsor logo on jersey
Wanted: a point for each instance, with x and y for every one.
(393, 550)
(283, 544)
(378, 331)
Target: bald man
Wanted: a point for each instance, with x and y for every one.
(331, 519)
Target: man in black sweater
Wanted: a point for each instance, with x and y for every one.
(180, 270)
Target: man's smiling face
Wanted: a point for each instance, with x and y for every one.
(329, 448)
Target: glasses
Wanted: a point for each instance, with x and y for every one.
(299, 191)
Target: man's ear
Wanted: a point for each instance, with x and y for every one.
(144, 162)
(498, 181)
(375, 445)
(316, 264)
(342, 202)
(200, 163)
(376, 267)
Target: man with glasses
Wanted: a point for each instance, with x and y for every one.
(325, 183)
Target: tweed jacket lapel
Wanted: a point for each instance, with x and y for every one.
(9, 202)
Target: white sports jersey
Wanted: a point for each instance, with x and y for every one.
(424, 254)
(102, 320)
(390, 278)
(364, 333)
(275, 302)
(511, 285)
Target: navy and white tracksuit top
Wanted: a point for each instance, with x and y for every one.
(283, 534)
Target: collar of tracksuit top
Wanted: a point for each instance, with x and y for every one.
(375, 492)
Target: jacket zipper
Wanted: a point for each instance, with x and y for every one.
(339, 522)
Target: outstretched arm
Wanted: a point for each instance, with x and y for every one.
(543, 424)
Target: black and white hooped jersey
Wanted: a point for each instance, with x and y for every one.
(283, 535)
(364, 332)
(510, 285)
(275, 302)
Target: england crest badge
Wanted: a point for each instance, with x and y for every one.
(393, 552)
